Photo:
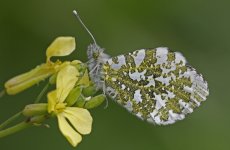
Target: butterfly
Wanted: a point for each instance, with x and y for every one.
(156, 85)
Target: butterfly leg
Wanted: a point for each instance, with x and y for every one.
(104, 92)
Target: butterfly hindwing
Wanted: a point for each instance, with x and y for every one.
(156, 85)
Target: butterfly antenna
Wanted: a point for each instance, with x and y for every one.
(79, 18)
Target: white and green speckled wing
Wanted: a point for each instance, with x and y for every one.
(156, 85)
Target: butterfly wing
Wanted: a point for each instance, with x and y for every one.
(156, 85)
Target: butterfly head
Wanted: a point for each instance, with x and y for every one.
(96, 53)
(96, 60)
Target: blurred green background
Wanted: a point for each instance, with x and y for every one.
(200, 29)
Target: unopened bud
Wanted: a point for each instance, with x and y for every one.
(37, 120)
(80, 102)
(95, 101)
(73, 96)
(28, 79)
(89, 91)
(35, 109)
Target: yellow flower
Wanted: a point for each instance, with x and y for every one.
(72, 121)
(62, 46)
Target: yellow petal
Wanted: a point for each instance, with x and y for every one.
(52, 100)
(66, 80)
(80, 119)
(70, 134)
(61, 46)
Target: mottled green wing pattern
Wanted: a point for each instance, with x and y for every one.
(156, 85)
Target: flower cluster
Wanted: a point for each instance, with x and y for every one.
(72, 96)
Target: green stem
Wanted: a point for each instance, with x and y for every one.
(42, 93)
(11, 119)
(36, 120)
(15, 129)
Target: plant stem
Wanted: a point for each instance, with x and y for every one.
(42, 93)
(15, 129)
(11, 119)
(36, 120)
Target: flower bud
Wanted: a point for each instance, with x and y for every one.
(35, 109)
(84, 81)
(80, 102)
(89, 91)
(73, 96)
(28, 79)
(81, 67)
(37, 120)
(95, 101)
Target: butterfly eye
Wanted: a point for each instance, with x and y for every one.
(95, 55)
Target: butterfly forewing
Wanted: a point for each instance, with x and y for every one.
(156, 85)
